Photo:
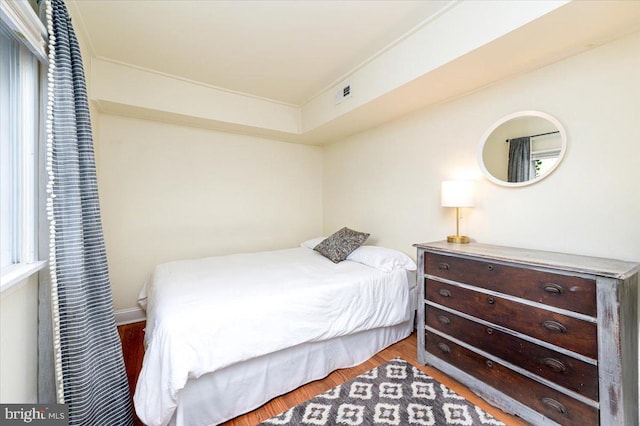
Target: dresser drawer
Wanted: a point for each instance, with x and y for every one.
(543, 399)
(579, 376)
(561, 330)
(573, 293)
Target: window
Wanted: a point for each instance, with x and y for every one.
(546, 149)
(543, 161)
(20, 115)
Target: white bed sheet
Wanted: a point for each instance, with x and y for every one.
(263, 303)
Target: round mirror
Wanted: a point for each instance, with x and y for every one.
(522, 148)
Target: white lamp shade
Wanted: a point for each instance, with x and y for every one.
(457, 193)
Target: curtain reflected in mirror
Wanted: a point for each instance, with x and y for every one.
(519, 166)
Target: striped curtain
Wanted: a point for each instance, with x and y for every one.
(90, 373)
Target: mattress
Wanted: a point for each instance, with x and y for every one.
(205, 315)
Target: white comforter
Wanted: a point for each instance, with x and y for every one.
(203, 315)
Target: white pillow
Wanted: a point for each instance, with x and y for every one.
(312, 243)
(382, 258)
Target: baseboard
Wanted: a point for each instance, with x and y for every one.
(127, 316)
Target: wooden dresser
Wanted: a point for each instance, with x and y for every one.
(549, 337)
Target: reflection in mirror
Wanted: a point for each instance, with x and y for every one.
(522, 148)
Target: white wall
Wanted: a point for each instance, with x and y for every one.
(169, 192)
(386, 181)
(19, 343)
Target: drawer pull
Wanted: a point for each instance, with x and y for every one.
(444, 292)
(443, 266)
(490, 267)
(489, 330)
(489, 363)
(555, 365)
(444, 348)
(491, 300)
(552, 403)
(444, 320)
(553, 288)
(554, 326)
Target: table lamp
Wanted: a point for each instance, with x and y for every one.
(457, 193)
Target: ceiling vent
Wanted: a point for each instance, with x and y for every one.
(343, 93)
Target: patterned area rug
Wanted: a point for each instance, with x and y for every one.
(395, 393)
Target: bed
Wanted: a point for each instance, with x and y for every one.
(226, 334)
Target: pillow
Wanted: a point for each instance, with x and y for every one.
(382, 258)
(312, 243)
(338, 246)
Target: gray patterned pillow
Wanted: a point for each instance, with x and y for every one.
(340, 245)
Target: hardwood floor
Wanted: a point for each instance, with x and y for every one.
(132, 336)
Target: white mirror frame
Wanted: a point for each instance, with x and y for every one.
(485, 137)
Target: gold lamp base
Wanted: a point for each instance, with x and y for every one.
(460, 239)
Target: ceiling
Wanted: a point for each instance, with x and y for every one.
(286, 51)
(272, 68)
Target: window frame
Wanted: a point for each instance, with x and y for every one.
(24, 26)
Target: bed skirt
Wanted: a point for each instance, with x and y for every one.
(217, 397)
